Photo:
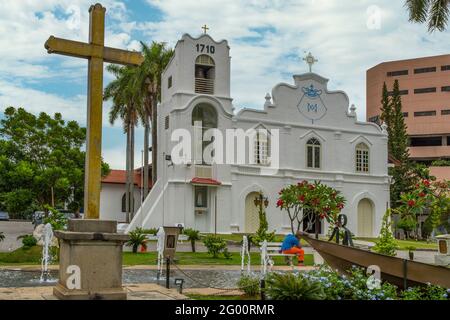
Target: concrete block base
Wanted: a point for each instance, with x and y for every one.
(63, 293)
(442, 260)
(90, 262)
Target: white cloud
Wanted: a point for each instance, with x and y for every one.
(334, 30)
(268, 38)
(36, 101)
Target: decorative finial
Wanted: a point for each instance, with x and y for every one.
(205, 28)
(352, 111)
(268, 102)
(310, 60)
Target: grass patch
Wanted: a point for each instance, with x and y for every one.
(22, 256)
(238, 237)
(32, 256)
(202, 258)
(403, 244)
(217, 297)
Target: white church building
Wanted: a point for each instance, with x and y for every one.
(312, 134)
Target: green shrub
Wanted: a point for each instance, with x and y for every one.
(249, 285)
(137, 238)
(441, 163)
(429, 292)
(353, 287)
(293, 287)
(57, 219)
(28, 241)
(407, 224)
(385, 243)
(262, 232)
(216, 245)
(193, 235)
(152, 231)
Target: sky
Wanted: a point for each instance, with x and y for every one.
(268, 39)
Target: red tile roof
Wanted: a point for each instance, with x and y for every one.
(120, 177)
(205, 181)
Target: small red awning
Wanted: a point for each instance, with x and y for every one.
(205, 182)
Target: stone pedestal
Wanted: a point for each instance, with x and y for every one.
(443, 256)
(94, 248)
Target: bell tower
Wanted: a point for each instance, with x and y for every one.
(200, 66)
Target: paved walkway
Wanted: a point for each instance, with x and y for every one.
(11, 230)
(154, 267)
(147, 291)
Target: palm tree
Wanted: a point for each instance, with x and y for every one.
(434, 12)
(124, 93)
(156, 58)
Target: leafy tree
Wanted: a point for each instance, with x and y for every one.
(433, 12)
(41, 162)
(123, 91)
(386, 113)
(137, 238)
(193, 235)
(405, 174)
(441, 163)
(399, 135)
(156, 58)
(325, 202)
(385, 243)
(216, 245)
(261, 233)
(426, 195)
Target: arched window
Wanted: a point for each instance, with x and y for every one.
(313, 153)
(124, 203)
(262, 147)
(204, 117)
(362, 157)
(205, 73)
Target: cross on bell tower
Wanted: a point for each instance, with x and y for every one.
(310, 60)
(205, 28)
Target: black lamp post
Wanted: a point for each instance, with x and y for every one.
(260, 200)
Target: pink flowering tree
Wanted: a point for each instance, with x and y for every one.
(431, 195)
(324, 201)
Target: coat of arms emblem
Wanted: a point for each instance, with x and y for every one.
(311, 104)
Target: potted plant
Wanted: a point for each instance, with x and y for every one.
(193, 235)
(137, 238)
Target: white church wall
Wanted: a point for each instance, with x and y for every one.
(300, 111)
(111, 201)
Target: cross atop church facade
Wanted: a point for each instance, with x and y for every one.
(310, 60)
(205, 29)
(96, 53)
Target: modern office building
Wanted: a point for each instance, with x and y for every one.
(425, 90)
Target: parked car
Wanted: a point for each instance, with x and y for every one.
(4, 216)
(37, 218)
(68, 214)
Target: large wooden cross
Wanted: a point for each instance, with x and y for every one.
(96, 53)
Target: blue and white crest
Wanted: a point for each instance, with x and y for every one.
(311, 104)
(311, 92)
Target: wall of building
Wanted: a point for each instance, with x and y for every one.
(111, 201)
(414, 104)
(300, 111)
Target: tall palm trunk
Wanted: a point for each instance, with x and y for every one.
(127, 184)
(146, 147)
(132, 172)
(154, 139)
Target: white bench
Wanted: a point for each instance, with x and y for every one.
(274, 250)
